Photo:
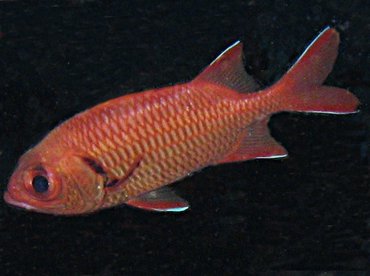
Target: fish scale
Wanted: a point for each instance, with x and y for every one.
(179, 145)
(127, 149)
(181, 156)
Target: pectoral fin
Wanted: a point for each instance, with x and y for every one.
(161, 200)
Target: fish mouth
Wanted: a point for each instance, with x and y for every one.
(12, 201)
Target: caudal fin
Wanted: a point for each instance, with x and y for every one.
(301, 89)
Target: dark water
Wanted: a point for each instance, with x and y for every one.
(310, 211)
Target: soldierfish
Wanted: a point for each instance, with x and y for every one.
(126, 150)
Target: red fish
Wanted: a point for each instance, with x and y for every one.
(126, 150)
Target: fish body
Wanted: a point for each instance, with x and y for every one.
(127, 149)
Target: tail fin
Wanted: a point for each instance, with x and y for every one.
(300, 88)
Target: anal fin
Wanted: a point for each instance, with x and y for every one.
(256, 143)
(160, 200)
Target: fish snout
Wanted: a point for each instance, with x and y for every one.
(11, 198)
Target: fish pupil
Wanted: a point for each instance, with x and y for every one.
(40, 184)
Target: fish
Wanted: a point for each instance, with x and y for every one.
(127, 150)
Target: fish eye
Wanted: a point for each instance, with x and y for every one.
(40, 184)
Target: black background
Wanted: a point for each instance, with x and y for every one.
(310, 211)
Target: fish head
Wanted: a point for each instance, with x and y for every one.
(59, 185)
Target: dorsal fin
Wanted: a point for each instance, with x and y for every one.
(228, 70)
